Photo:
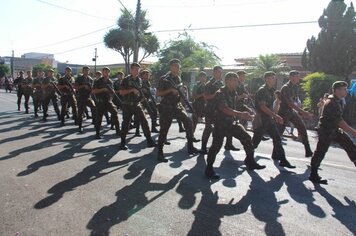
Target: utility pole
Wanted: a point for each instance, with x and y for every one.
(94, 59)
(137, 21)
(12, 64)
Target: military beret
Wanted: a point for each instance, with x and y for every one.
(339, 84)
(106, 68)
(173, 61)
(21, 72)
(201, 74)
(51, 70)
(68, 68)
(268, 74)
(217, 68)
(86, 68)
(241, 72)
(293, 73)
(231, 75)
(120, 73)
(145, 71)
(135, 64)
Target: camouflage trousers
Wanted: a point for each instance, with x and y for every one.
(233, 130)
(326, 136)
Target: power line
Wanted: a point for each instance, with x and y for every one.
(76, 11)
(70, 39)
(236, 26)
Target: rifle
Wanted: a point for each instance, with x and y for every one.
(151, 98)
(142, 96)
(181, 94)
(71, 87)
(56, 88)
(113, 92)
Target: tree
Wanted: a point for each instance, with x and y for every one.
(334, 51)
(192, 55)
(122, 39)
(315, 85)
(4, 70)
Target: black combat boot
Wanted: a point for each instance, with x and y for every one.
(285, 163)
(123, 144)
(308, 151)
(160, 156)
(315, 178)
(210, 173)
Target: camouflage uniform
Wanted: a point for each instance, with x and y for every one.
(104, 104)
(150, 106)
(132, 106)
(37, 94)
(84, 98)
(211, 109)
(67, 98)
(265, 96)
(23, 89)
(198, 104)
(49, 94)
(328, 131)
(225, 126)
(170, 107)
(289, 94)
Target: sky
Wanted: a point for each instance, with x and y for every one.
(72, 29)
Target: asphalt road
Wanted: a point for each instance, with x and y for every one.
(55, 181)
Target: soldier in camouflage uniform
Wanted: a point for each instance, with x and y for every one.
(130, 90)
(211, 88)
(332, 127)
(101, 90)
(23, 89)
(171, 107)
(49, 94)
(289, 110)
(266, 120)
(37, 91)
(67, 95)
(83, 86)
(226, 125)
(198, 99)
(152, 109)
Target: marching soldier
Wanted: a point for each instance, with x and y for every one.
(67, 95)
(171, 107)
(131, 90)
(49, 94)
(23, 86)
(102, 89)
(265, 119)
(83, 86)
(242, 94)
(288, 110)
(332, 127)
(198, 99)
(151, 105)
(226, 125)
(117, 100)
(211, 88)
(37, 91)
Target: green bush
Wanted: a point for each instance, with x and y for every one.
(315, 86)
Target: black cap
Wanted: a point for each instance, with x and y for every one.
(21, 72)
(135, 64)
(68, 68)
(293, 73)
(217, 68)
(339, 84)
(106, 68)
(174, 61)
(241, 72)
(202, 74)
(86, 68)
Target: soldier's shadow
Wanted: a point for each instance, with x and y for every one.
(101, 158)
(132, 198)
(345, 213)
